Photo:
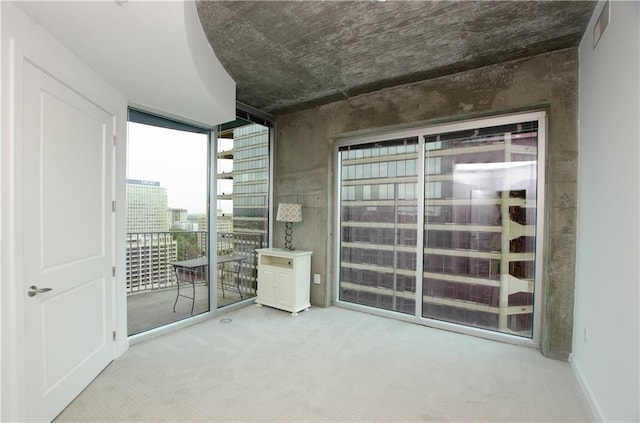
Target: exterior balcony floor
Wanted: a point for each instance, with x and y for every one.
(151, 309)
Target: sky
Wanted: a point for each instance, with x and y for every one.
(176, 159)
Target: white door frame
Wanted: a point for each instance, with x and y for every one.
(23, 40)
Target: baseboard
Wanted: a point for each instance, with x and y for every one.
(593, 404)
(123, 346)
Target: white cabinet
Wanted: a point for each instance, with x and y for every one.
(284, 279)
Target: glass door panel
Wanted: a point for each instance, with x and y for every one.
(167, 215)
(242, 208)
(480, 226)
(378, 224)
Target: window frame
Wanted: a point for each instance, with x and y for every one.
(420, 132)
(139, 115)
(246, 114)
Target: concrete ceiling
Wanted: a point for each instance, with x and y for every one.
(290, 55)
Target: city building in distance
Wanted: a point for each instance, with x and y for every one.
(150, 246)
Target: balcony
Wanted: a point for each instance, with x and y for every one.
(151, 280)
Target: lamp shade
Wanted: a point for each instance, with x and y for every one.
(289, 212)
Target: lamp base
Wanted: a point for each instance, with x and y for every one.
(288, 231)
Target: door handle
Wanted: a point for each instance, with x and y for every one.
(34, 290)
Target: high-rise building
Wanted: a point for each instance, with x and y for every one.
(202, 222)
(247, 228)
(251, 179)
(178, 215)
(146, 207)
(150, 247)
(148, 263)
(225, 222)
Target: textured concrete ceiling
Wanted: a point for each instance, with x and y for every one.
(289, 55)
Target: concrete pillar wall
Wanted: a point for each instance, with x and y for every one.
(304, 162)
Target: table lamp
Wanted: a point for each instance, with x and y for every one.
(289, 213)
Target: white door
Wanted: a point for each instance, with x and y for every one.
(68, 242)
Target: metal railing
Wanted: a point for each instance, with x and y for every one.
(243, 244)
(149, 256)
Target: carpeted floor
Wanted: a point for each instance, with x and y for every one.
(261, 364)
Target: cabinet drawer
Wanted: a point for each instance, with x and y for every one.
(281, 262)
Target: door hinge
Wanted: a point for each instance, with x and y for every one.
(114, 335)
(115, 140)
(113, 271)
(113, 206)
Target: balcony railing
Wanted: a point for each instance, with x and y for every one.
(149, 256)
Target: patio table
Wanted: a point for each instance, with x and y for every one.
(194, 270)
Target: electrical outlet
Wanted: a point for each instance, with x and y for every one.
(316, 278)
(585, 335)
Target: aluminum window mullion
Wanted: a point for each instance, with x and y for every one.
(420, 225)
(338, 222)
(540, 226)
(213, 219)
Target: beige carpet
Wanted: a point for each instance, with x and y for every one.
(328, 365)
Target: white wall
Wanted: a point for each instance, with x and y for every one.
(24, 39)
(606, 327)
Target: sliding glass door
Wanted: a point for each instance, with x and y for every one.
(378, 216)
(480, 227)
(473, 189)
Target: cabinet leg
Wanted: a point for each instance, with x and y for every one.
(295, 313)
(258, 305)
